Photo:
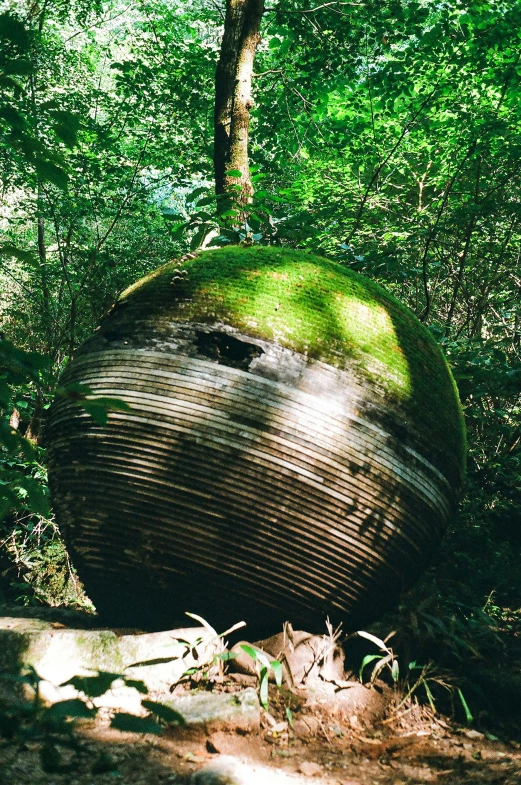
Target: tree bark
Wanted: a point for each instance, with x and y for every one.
(42, 252)
(233, 101)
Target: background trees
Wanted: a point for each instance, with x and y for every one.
(386, 136)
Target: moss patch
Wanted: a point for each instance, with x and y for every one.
(320, 309)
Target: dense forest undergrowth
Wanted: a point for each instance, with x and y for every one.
(385, 136)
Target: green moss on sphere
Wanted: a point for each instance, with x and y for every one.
(326, 312)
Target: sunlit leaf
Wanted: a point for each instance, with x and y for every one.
(276, 667)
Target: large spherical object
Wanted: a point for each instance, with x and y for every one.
(294, 446)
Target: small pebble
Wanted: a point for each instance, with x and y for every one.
(212, 747)
(225, 771)
(474, 734)
(310, 769)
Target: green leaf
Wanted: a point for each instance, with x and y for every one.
(156, 661)
(99, 415)
(99, 408)
(37, 500)
(226, 656)
(205, 201)
(164, 712)
(12, 117)
(132, 724)
(466, 709)
(377, 641)
(7, 502)
(66, 134)
(20, 67)
(367, 659)
(276, 667)
(5, 393)
(191, 197)
(234, 173)
(250, 651)
(200, 236)
(65, 117)
(13, 30)
(430, 696)
(74, 391)
(48, 171)
(177, 231)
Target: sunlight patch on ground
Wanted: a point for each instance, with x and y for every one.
(229, 770)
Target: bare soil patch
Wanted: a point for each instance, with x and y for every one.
(325, 747)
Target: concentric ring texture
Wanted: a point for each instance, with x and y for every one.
(246, 477)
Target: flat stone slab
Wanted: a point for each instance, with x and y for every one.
(158, 659)
(58, 653)
(233, 711)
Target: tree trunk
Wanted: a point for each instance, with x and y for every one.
(233, 100)
(42, 253)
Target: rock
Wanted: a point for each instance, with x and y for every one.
(471, 733)
(58, 654)
(279, 727)
(310, 769)
(305, 658)
(366, 703)
(308, 657)
(226, 771)
(306, 726)
(244, 679)
(230, 771)
(213, 746)
(233, 711)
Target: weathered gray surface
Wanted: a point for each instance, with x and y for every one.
(305, 658)
(234, 711)
(313, 667)
(283, 482)
(58, 654)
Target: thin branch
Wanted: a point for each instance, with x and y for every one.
(387, 158)
(99, 23)
(29, 292)
(319, 8)
(219, 9)
(271, 71)
(432, 234)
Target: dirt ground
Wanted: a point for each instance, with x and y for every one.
(322, 748)
(323, 743)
